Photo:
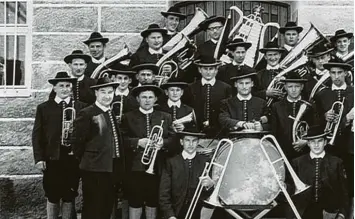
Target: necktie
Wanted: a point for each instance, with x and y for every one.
(245, 110)
(316, 183)
(115, 136)
(148, 125)
(174, 112)
(208, 99)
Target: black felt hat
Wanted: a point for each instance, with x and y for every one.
(314, 132)
(204, 25)
(336, 62)
(207, 61)
(245, 73)
(191, 131)
(77, 54)
(153, 28)
(149, 66)
(173, 11)
(104, 82)
(173, 82)
(319, 50)
(238, 42)
(96, 37)
(62, 76)
(147, 87)
(272, 46)
(339, 34)
(291, 26)
(293, 76)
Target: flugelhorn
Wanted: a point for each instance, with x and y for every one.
(167, 70)
(150, 151)
(205, 173)
(68, 118)
(299, 127)
(332, 126)
(118, 105)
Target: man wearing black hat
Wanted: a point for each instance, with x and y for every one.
(53, 152)
(180, 178)
(153, 35)
(205, 95)
(238, 48)
(100, 151)
(281, 123)
(341, 41)
(145, 73)
(243, 111)
(96, 44)
(213, 26)
(138, 127)
(326, 176)
(291, 33)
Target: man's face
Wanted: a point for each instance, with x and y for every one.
(239, 54)
(97, 49)
(145, 76)
(291, 37)
(174, 93)
(317, 145)
(214, 30)
(146, 99)
(342, 44)
(244, 86)
(189, 143)
(208, 72)
(123, 80)
(105, 95)
(320, 61)
(77, 67)
(172, 22)
(337, 75)
(293, 89)
(155, 40)
(272, 58)
(63, 89)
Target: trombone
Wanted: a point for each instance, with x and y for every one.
(150, 151)
(67, 125)
(213, 200)
(333, 127)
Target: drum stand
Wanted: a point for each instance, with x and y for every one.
(260, 210)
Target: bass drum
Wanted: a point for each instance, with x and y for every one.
(248, 178)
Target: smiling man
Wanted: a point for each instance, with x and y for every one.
(172, 18)
(341, 41)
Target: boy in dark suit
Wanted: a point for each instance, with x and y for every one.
(326, 176)
(52, 152)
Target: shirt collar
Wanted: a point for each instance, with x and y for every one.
(243, 98)
(186, 155)
(211, 82)
(146, 111)
(152, 51)
(341, 55)
(236, 64)
(103, 108)
(317, 156)
(124, 93)
(98, 61)
(319, 72)
(293, 101)
(269, 67)
(171, 103)
(214, 41)
(169, 32)
(342, 87)
(58, 100)
(287, 47)
(81, 78)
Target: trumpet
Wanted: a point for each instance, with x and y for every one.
(213, 199)
(67, 125)
(150, 152)
(167, 69)
(300, 128)
(118, 105)
(333, 127)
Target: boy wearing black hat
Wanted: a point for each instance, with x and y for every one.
(326, 176)
(205, 95)
(341, 41)
(243, 111)
(291, 33)
(180, 178)
(238, 49)
(138, 126)
(153, 35)
(100, 151)
(281, 123)
(97, 45)
(52, 152)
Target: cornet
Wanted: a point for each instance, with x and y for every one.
(333, 127)
(67, 125)
(150, 151)
(118, 105)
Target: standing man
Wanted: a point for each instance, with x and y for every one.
(100, 151)
(291, 33)
(52, 152)
(238, 48)
(138, 127)
(204, 95)
(97, 45)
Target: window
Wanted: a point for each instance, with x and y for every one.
(15, 47)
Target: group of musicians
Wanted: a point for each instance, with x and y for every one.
(104, 144)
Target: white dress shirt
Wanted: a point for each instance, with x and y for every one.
(171, 103)
(145, 111)
(342, 87)
(58, 100)
(241, 98)
(317, 156)
(186, 155)
(211, 82)
(102, 107)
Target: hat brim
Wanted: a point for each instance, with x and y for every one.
(182, 85)
(146, 32)
(310, 55)
(249, 75)
(198, 63)
(297, 28)
(208, 21)
(137, 90)
(294, 80)
(196, 134)
(348, 35)
(179, 15)
(111, 84)
(149, 66)
(118, 72)
(246, 45)
(264, 50)
(345, 66)
(323, 135)
(103, 40)
(54, 81)
(69, 58)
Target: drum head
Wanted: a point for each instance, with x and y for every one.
(248, 178)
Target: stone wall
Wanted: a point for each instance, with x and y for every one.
(59, 26)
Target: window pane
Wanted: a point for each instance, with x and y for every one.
(15, 60)
(11, 11)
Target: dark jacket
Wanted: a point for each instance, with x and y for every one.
(129, 103)
(264, 78)
(225, 72)
(144, 56)
(47, 129)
